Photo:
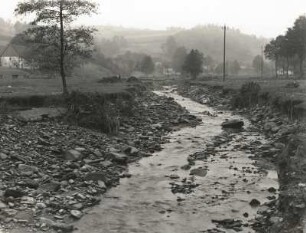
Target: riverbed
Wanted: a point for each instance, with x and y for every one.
(146, 203)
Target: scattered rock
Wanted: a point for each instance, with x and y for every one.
(2, 205)
(235, 124)
(254, 203)
(15, 193)
(73, 155)
(25, 169)
(198, 172)
(174, 176)
(272, 190)
(3, 156)
(57, 226)
(119, 158)
(76, 214)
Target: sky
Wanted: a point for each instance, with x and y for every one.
(266, 18)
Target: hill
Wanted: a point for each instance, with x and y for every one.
(208, 39)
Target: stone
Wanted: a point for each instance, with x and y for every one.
(119, 158)
(186, 167)
(3, 156)
(57, 226)
(50, 187)
(131, 151)
(78, 206)
(101, 184)
(269, 126)
(254, 203)
(41, 205)
(96, 176)
(15, 193)
(9, 212)
(174, 176)
(234, 124)
(2, 205)
(272, 190)
(276, 219)
(27, 200)
(76, 214)
(72, 155)
(98, 153)
(198, 172)
(26, 169)
(30, 183)
(106, 163)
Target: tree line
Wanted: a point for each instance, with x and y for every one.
(289, 51)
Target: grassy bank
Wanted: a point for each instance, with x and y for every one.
(27, 87)
(91, 103)
(287, 95)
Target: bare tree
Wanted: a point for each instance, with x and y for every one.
(54, 18)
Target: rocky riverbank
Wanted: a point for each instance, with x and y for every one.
(51, 171)
(286, 149)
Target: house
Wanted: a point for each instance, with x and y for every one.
(13, 56)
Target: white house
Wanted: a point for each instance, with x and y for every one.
(12, 56)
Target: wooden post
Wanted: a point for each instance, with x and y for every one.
(224, 54)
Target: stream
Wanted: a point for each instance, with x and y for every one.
(145, 203)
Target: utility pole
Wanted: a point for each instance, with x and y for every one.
(224, 53)
(262, 63)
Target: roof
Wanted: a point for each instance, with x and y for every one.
(12, 50)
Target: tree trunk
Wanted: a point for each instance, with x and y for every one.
(301, 67)
(276, 75)
(287, 68)
(62, 55)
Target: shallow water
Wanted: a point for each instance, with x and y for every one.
(144, 203)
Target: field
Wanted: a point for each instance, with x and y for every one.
(27, 87)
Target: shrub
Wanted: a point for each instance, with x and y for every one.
(293, 84)
(248, 95)
(91, 110)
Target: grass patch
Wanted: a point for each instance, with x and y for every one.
(287, 96)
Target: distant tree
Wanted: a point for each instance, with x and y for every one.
(209, 63)
(219, 69)
(170, 46)
(258, 63)
(147, 65)
(287, 49)
(52, 29)
(298, 41)
(234, 67)
(272, 52)
(193, 64)
(179, 59)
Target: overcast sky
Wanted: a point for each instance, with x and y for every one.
(266, 18)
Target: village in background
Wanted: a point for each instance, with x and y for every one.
(135, 52)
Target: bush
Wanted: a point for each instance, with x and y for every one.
(293, 84)
(92, 111)
(248, 95)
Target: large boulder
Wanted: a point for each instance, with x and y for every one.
(119, 158)
(233, 124)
